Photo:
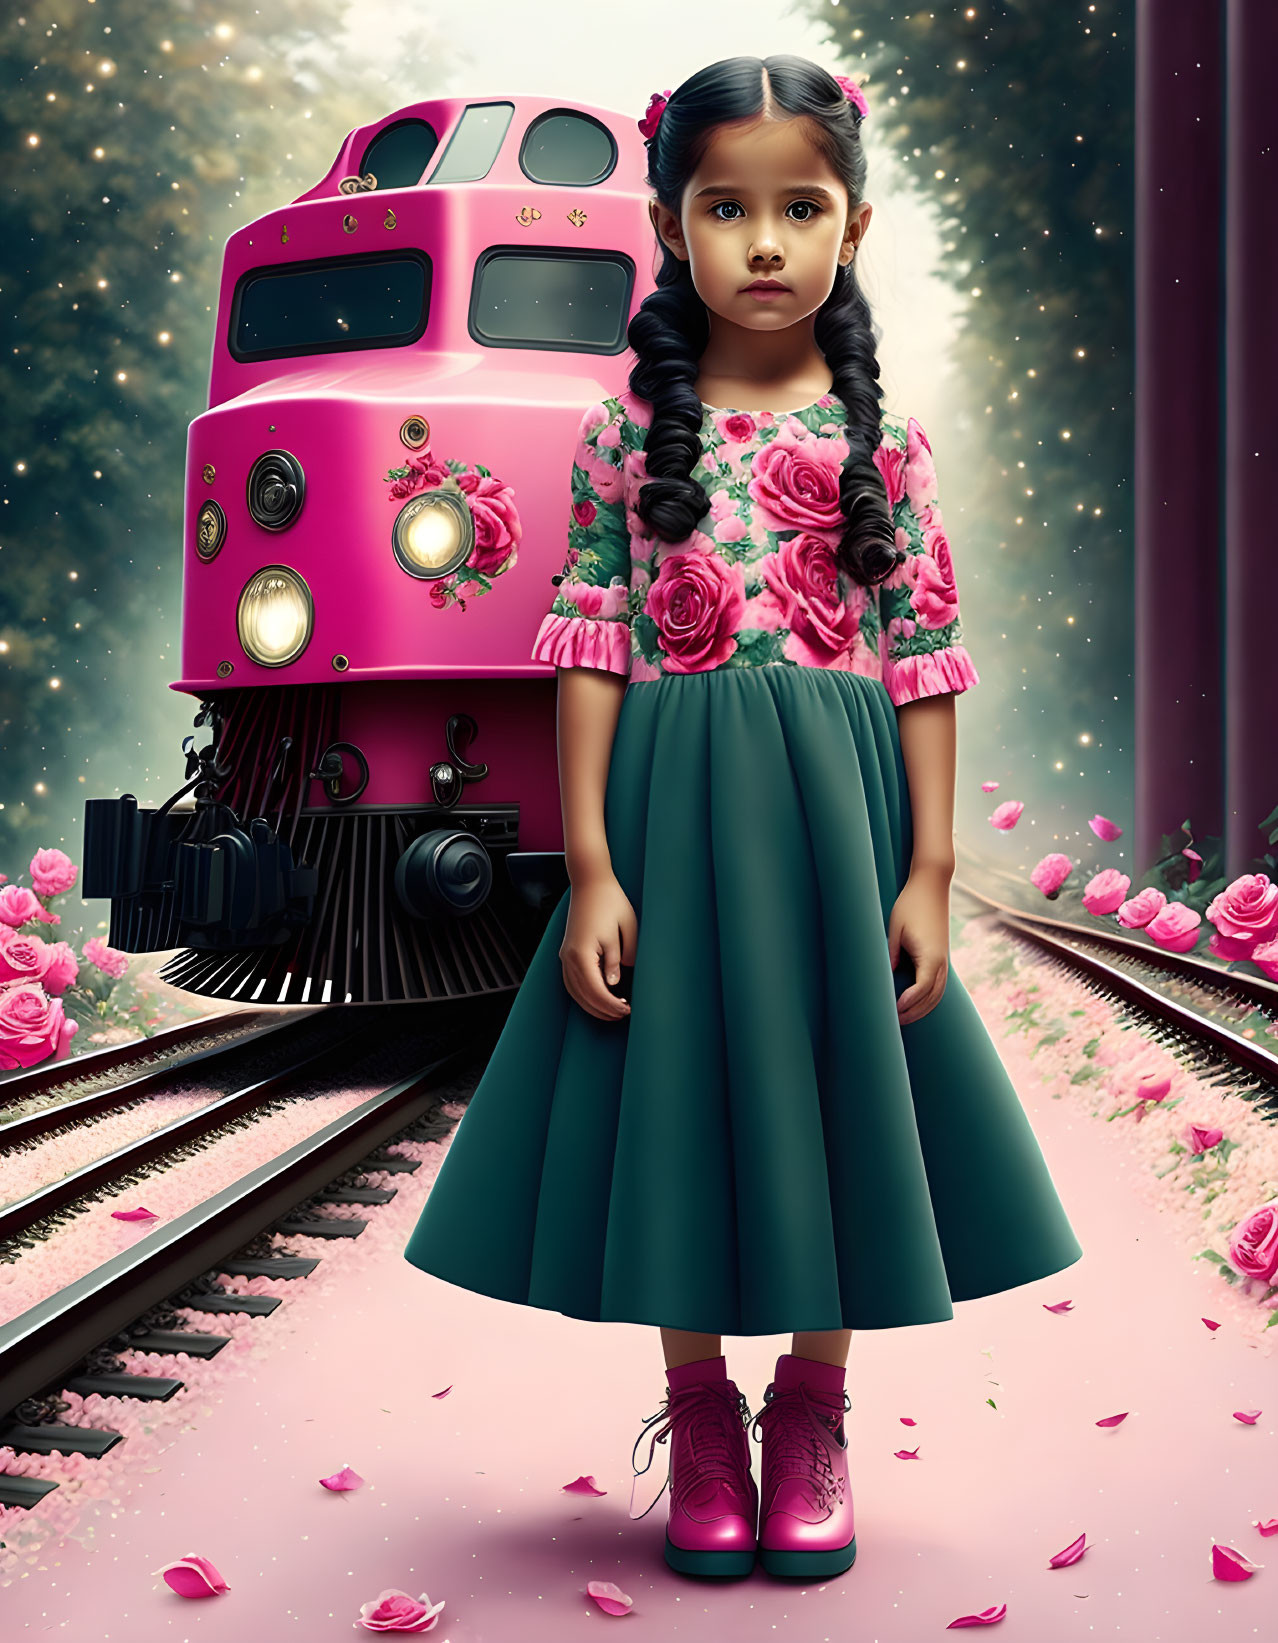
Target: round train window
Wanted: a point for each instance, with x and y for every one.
(561, 147)
(398, 155)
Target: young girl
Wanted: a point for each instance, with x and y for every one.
(739, 1091)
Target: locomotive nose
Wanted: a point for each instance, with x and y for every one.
(445, 870)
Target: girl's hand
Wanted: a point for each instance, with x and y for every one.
(920, 923)
(600, 937)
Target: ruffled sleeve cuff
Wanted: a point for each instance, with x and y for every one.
(583, 641)
(912, 677)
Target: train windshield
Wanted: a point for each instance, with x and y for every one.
(574, 301)
(377, 301)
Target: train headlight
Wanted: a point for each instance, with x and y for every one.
(275, 616)
(434, 532)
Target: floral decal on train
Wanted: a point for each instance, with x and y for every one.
(495, 518)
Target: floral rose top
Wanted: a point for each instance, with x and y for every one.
(757, 583)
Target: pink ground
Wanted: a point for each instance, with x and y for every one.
(463, 1495)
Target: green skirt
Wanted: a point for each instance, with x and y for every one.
(760, 1146)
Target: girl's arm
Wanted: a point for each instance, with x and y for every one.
(928, 746)
(589, 703)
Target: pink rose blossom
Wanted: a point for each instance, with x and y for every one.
(18, 905)
(33, 1026)
(934, 596)
(1136, 913)
(1245, 914)
(108, 959)
(61, 970)
(854, 94)
(1265, 955)
(889, 459)
(593, 600)
(396, 1611)
(52, 872)
(24, 958)
(425, 471)
(802, 576)
(584, 511)
(1253, 1244)
(795, 482)
(1176, 927)
(697, 602)
(1007, 814)
(1202, 1140)
(1051, 873)
(496, 523)
(1105, 891)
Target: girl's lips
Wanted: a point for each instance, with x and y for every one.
(777, 288)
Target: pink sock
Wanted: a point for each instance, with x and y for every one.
(701, 1369)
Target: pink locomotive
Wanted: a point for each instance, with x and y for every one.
(376, 503)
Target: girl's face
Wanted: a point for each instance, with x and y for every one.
(763, 204)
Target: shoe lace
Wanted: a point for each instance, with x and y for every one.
(800, 1427)
(715, 1422)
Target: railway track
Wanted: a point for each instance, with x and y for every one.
(1221, 1024)
(70, 1341)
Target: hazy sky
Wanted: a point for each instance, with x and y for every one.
(618, 55)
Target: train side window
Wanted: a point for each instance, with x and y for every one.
(380, 300)
(565, 147)
(475, 144)
(576, 301)
(399, 153)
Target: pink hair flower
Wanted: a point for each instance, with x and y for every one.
(854, 94)
(652, 114)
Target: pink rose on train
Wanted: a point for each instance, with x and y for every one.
(1050, 873)
(1245, 914)
(795, 481)
(889, 459)
(1253, 1244)
(802, 578)
(1105, 891)
(1136, 913)
(18, 905)
(1175, 927)
(697, 601)
(1006, 815)
(425, 471)
(52, 872)
(934, 596)
(24, 958)
(496, 522)
(33, 1026)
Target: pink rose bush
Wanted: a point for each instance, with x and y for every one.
(43, 985)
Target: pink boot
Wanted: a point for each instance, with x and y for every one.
(806, 1526)
(714, 1500)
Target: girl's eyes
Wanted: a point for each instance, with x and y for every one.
(812, 206)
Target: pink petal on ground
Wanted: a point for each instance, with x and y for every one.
(1211, 1323)
(988, 787)
(1105, 829)
(193, 1576)
(1227, 1564)
(1113, 1420)
(345, 1479)
(906, 1421)
(584, 1485)
(987, 1617)
(906, 1454)
(444, 1393)
(1251, 1416)
(1071, 1554)
(134, 1215)
(1152, 1089)
(609, 1596)
(1269, 1527)
(1059, 1306)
